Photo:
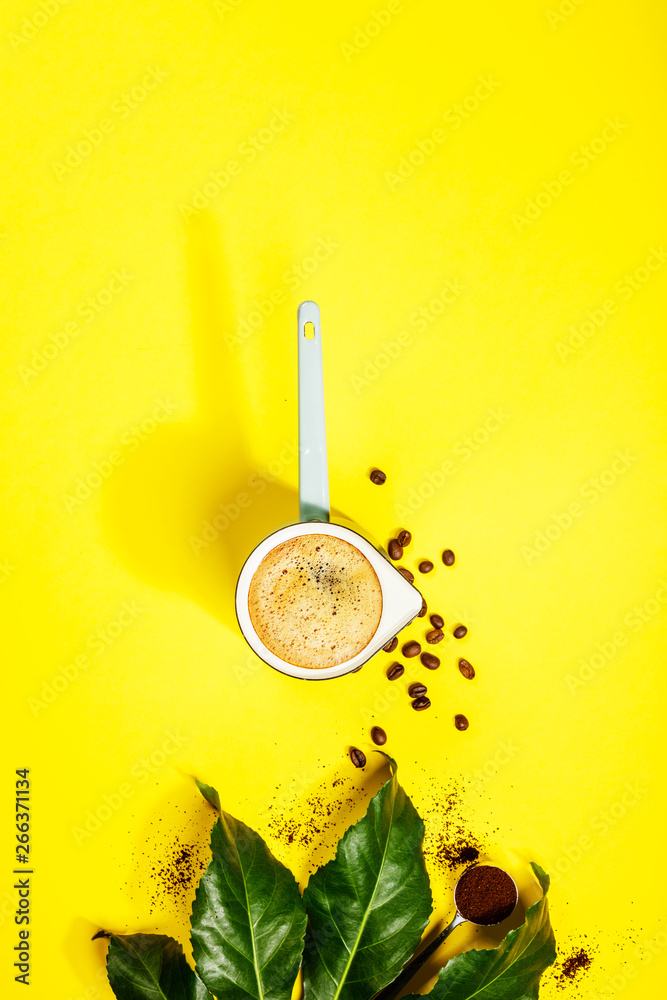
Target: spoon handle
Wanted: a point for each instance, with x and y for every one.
(313, 470)
(393, 989)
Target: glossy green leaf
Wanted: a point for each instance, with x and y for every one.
(210, 794)
(151, 967)
(368, 907)
(248, 919)
(509, 972)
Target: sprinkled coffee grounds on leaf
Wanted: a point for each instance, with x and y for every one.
(485, 895)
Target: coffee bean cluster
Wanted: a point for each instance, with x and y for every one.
(417, 690)
(413, 648)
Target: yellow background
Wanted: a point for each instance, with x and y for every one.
(566, 737)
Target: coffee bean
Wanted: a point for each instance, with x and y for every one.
(391, 645)
(461, 722)
(406, 573)
(437, 621)
(378, 736)
(460, 631)
(448, 557)
(411, 649)
(419, 704)
(378, 477)
(417, 689)
(466, 669)
(394, 549)
(395, 671)
(358, 757)
(403, 537)
(425, 566)
(435, 635)
(430, 661)
(424, 609)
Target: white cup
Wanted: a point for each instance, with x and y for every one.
(401, 602)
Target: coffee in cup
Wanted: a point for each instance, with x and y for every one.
(315, 601)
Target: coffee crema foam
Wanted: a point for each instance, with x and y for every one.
(315, 601)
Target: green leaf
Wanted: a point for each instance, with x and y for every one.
(369, 906)
(248, 919)
(509, 972)
(151, 966)
(542, 877)
(209, 794)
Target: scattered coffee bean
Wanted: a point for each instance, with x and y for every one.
(394, 549)
(403, 537)
(461, 722)
(435, 635)
(419, 704)
(411, 649)
(391, 645)
(437, 621)
(358, 757)
(378, 736)
(448, 557)
(425, 566)
(406, 573)
(460, 631)
(466, 669)
(424, 609)
(378, 477)
(395, 671)
(417, 689)
(430, 661)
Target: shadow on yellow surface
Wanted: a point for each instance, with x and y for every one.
(168, 508)
(86, 957)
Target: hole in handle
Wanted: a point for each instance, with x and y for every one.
(309, 331)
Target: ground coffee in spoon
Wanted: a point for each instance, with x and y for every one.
(485, 895)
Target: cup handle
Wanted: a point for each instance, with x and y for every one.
(313, 472)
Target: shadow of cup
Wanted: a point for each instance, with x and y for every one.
(187, 501)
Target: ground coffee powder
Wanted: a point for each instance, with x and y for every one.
(485, 895)
(449, 843)
(572, 967)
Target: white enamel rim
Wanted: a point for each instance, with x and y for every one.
(401, 602)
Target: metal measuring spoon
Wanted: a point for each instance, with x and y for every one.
(464, 914)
